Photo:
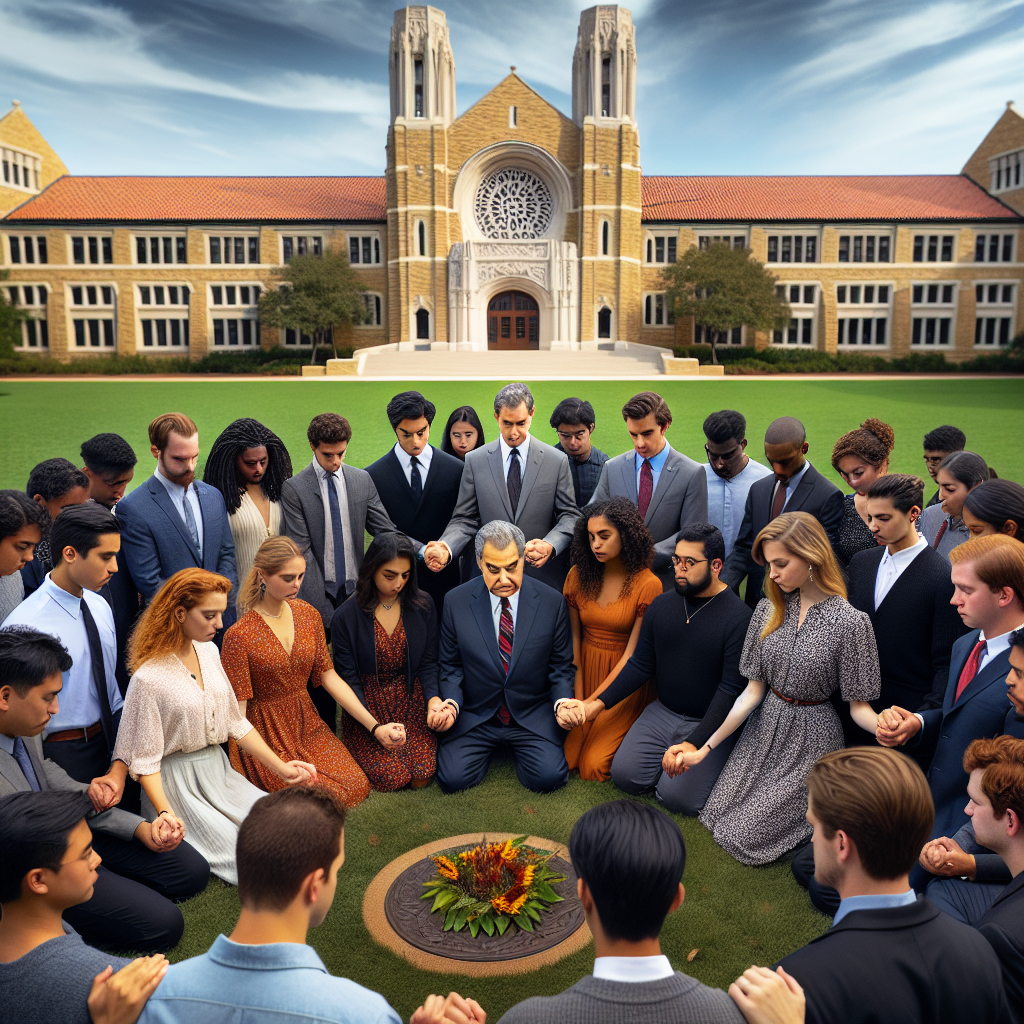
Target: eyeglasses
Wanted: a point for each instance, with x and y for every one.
(723, 458)
(933, 460)
(580, 435)
(687, 563)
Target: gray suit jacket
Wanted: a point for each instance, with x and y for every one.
(681, 497)
(115, 822)
(547, 504)
(302, 509)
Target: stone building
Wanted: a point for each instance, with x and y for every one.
(512, 226)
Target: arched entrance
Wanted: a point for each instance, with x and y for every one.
(513, 322)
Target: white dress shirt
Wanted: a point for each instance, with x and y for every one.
(892, 567)
(506, 456)
(405, 459)
(179, 495)
(513, 604)
(346, 525)
(996, 646)
(727, 499)
(636, 969)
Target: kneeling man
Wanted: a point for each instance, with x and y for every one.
(506, 668)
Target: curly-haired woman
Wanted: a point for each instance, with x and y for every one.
(608, 590)
(860, 457)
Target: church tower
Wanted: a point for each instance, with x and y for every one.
(604, 106)
(421, 71)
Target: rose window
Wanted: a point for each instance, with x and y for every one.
(513, 203)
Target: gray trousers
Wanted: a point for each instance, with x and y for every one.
(637, 764)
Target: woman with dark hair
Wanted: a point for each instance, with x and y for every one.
(942, 525)
(995, 507)
(249, 464)
(21, 530)
(860, 457)
(463, 433)
(385, 647)
(607, 590)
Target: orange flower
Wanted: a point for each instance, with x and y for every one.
(527, 878)
(446, 868)
(504, 905)
(508, 851)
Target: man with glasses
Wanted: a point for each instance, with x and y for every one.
(730, 472)
(574, 421)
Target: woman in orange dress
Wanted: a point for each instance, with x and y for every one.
(269, 654)
(608, 590)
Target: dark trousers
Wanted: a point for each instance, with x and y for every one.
(85, 760)
(966, 901)
(462, 762)
(132, 906)
(824, 897)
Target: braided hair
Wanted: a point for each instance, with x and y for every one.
(221, 471)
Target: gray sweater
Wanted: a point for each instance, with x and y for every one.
(676, 1000)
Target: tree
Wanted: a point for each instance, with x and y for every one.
(313, 295)
(11, 319)
(723, 288)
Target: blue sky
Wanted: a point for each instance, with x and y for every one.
(300, 86)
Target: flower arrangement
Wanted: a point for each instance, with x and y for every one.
(492, 885)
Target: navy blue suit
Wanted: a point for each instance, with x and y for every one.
(540, 673)
(156, 544)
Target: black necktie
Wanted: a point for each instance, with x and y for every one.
(415, 481)
(515, 481)
(99, 674)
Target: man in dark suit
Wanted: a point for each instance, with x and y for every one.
(890, 955)
(505, 670)
(795, 486)
(419, 485)
(173, 521)
(520, 480)
(669, 489)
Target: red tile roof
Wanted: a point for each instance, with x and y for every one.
(76, 197)
(921, 197)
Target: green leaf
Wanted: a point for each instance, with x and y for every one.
(519, 841)
(474, 927)
(545, 892)
(460, 919)
(501, 923)
(443, 900)
(487, 923)
(524, 922)
(449, 919)
(532, 912)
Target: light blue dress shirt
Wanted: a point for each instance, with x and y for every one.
(727, 499)
(264, 984)
(52, 610)
(874, 901)
(793, 483)
(657, 465)
(179, 495)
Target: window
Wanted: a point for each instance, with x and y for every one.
(606, 87)
(993, 249)
(792, 249)
(604, 322)
(662, 248)
(864, 313)
(92, 315)
(605, 239)
(301, 245)
(365, 249)
(995, 307)
(161, 249)
(373, 305)
(736, 241)
(417, 78)
(238, 325)
(297, 339)
(1007, 171)
(657, 311)
(20, 169)
(933, 313)
(421, 238)
(512, 117)
(92, 249)
(244, 249)
(803, 303)
(170, 331)
(865, 248)
(702, 336)
(422, 325)
(933, 248)
(27, 248)
(31, 298)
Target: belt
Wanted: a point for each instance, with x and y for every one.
(798, 703)
(76, 734)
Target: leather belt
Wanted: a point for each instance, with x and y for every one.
(798, 703)
(76, 734)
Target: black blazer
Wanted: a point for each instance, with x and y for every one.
(816, 495)
(423, 521)
(355, 653)
(900, 965)
(1003, 926)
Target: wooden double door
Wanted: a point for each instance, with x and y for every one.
(513, 322)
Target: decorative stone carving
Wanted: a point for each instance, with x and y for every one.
(513, 203)
(528, 250)
(455, 266)
(533, 271)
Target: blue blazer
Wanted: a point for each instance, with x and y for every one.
(541, 670)
(156, 544)
(980, 712)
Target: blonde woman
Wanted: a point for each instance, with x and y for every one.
(804, 642)
(179, 708)
(269, 655)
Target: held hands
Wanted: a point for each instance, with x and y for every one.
(435, 556)
(440, 715)
(677, 759)
(896, 725)
(119, 998)
(945, 857)
(592, 708)
(105, 792)
(299, 773)
(570, 713)
(391, 735)
(161, 835)
(768, 997)
(538, 552)
(453, 1010)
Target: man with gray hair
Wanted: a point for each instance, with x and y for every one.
(521, 480)
(506, 671)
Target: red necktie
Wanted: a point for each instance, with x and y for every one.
(646, 488)
(506, 635)
(779, 501)
(970, 669)
(943, 526)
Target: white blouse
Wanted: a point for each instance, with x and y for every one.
(165, 710)
(249, 531)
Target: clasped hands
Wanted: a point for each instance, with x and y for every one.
(570, 713)
(391, 735)
(681, 757)
(300, 773)
(441, 714)
(946, 858)
(895, 726)
(436, 555)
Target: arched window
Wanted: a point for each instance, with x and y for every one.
(605, 239)
(421, 238)
(422, 324)
(604, 322)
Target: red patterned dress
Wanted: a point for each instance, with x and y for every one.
(389, 700)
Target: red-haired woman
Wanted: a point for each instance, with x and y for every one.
(179, 709)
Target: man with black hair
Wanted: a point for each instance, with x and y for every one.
(419, 486)
(21, 529)
(146, 863)
(730, 472)
(696, 672)
(573, 421)
(109, 463)
(939, 443)
(47, 865)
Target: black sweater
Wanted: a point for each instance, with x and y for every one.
(695, 666)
